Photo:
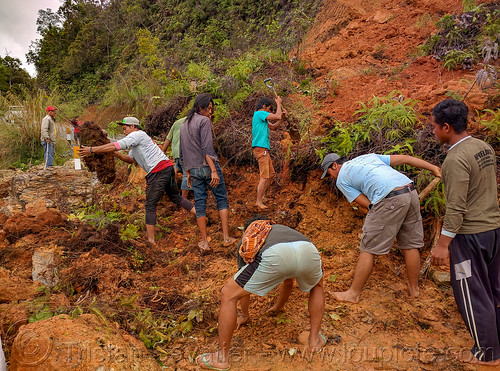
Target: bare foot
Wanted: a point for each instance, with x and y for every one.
(152, 242)
(316, 345)
(212, 361)
(413, 292)
(261, 206)
(228, 241)
(203, 245)
(241, 320)
(274, 311)
(345, 296)
(468, 357)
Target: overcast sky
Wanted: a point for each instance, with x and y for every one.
(18, 27)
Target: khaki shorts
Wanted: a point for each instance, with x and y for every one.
(262, 156)
(392, 218)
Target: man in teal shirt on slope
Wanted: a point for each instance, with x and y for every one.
(263, 121)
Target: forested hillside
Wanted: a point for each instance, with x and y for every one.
(89, 46)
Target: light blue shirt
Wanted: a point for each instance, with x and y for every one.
(370, 175)
(143, 150)
(260, 130)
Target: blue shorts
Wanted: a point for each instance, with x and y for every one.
(299, 260)
(200, 181)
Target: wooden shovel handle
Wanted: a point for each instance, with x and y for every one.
(429, 188)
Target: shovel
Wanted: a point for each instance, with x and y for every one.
(293, 132)
(270, 84)
(439, 223)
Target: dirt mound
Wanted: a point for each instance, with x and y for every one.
(14, 288)
(158, 123)
(84, 343)
(103, 164)
(366, 49)
(21, 224)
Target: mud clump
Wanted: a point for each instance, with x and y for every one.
(103, 164)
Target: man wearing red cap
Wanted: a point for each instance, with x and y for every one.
(48, 136)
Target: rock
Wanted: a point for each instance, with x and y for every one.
(83, 343)
(45, 267)
(59, 187)
(13, 288)
(382, 16)
(50, 218)
(441, 278)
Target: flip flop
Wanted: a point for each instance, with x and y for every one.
(325, 340)
(208, 365)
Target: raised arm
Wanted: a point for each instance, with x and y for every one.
(415, 162)
(276, 116)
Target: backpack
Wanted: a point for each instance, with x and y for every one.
(253, 239)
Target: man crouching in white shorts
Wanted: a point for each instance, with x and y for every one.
(286, 254)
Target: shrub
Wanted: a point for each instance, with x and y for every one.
(20, 144)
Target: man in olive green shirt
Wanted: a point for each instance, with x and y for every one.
(471, 230)
(173, 137)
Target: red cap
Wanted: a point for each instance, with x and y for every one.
(50, 108)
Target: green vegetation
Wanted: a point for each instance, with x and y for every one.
(388, 125)
(385, 125)
(20, 144)
(491, 121)
(142, 54)
(97, 217)
(463, 40)
(13, 78)
(113, 52)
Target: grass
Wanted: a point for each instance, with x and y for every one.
(20, 144)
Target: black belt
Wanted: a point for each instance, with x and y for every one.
(406, 189)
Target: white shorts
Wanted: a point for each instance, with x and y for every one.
(299, 260)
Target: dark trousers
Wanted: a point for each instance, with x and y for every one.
(475, 278)
(157, 184)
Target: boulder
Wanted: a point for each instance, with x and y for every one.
(58, 187)
(45, 266)
(83, 343)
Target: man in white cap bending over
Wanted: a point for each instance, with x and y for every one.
(160, 178)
